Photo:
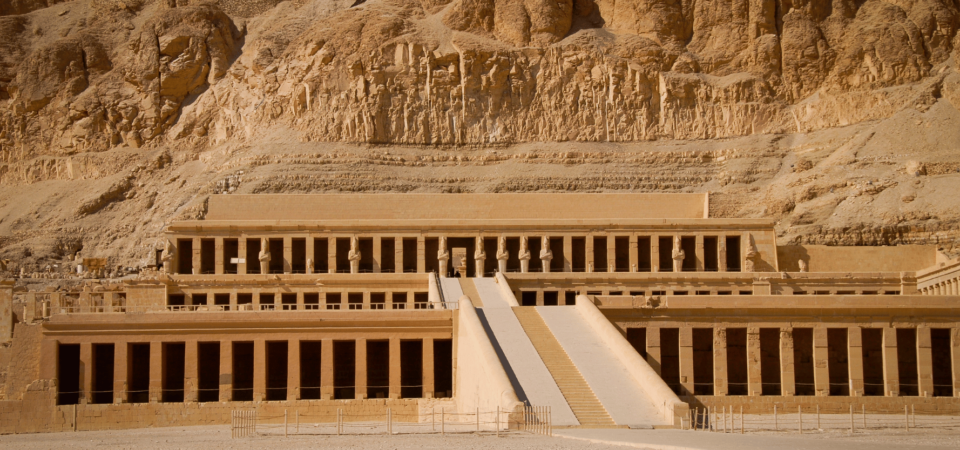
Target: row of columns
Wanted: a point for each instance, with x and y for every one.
(411, 299)
(421, 253)
(820, 360)
(945, 287)
(225, 376)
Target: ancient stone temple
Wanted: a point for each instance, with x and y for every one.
(612, 309)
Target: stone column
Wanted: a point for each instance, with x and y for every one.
(120, 363)
(653, 348)
(377, 254)
(218, 257)
(686, 360)
(722, 253)
(634, 253)
(568, 253)
(242, 254)
(891, 369)
(855, 358)
(360, 385)
(394, 391)
(720, 362)
(422, 254)
(259, 370)
(293, 370)
(924, 362)
(197, 256)
(311, 250)
(190, 375)
(654, 253)
(226, 371)
(788, 387)
(331, 254)
(589, 255)
(754, 376)
(699, 252)
(611, 253)
(326, 369)
(954, 358)
(86, 373)
(287, 254)
(428, 381)
(398, 255)
(821, 357)
(156, 372)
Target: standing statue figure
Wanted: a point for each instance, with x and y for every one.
(443, 256)
(309, 265)
(354, 255)
(751, 256)
(479, 256)
(166, 257)
(546, 255)
(803, 266)
(502, 254)
(264, 256)
(524, 255)
(678, 255)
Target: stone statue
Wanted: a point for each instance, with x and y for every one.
(354, 255)
(309, 265)
(524, 255)
(678, 255)
(752, 255)
(546, 255)
(264, 256)
(443, 256)
(803, 266)
(502, 254)
(479, 256)
(166, 257)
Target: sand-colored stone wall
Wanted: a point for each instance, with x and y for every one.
(822, 258)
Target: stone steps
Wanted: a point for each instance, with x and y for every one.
(589, 411)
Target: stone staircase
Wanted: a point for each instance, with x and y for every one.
(588, 410)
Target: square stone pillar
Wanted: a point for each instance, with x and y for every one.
(120, 362)
(568, 253)
(259, 370)
(360, 385)
(326, 369)
(722, 253)
(156, 372)
(398, 255)
(429, 384)
(891, 368)
(394, 391)
(653, 348)
(955, 359)
(49, 348)
(190, 375)
(86, 373)
(218, 257)
(821, 357)
(654, 253)
(754, 378)
(611, 253)
(293, 369)
(788, 387)
(589, 252)
(242, 255)
(720, 362)
(332, 254)
(311, 255)
(422, 254)
(226, 371)
(540, 297)
(287, 254)
(196, 256)
(699, 251)
(686, 360)
(855, 359)
(924, 362)
(377, 256)
(634, 250)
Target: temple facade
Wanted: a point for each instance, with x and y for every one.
(612, 309)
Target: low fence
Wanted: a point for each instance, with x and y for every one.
(531, 419)
(800, 420)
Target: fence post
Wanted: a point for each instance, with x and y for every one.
(741, 419)
(863, 415)
(497, 421)
(696, 417)
(709, 419)
(913, 412)
(298, 421)
(254, 421)
(442, 422)
(478, 420)
(433, 420)
(338, 421)
(284, 423)
(800, 417)
(851, 419)
(818, 417)
(550, 419)
(776, 423)
(906, 417)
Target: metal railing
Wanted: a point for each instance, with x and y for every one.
(815, 418)
(249, 307)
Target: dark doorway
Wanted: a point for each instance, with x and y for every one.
(737, 382)
(622, 253)
(551, 298)
(637, 337)
(366, 255)
(378, 369)
(185, 256)
(689, 246)
(344, 370)
(803, 361)
(443, 368)
(321, 256)
(536, 264)
(103, 360)
(907, 361)
(513, 249)
(68, 374)
(528, 298)
(208, 256)
(711, 258)
(243, 371)
(838, 363)
(703, 361)
(388, 255)
(599, 253)
(277, 354)
(643, 254)
(733, 253)
(343, 255)
(670, 359)
(409, 255)
(411, 369)
(138, 373)
(174, 357)
(770, 361)
(872, 342)
(298, 255)
(310, 370)
(431, 248)
(579, 257)
(942, 362)
(253, 256)
(666, 253)
(276, 255)
(208, 371)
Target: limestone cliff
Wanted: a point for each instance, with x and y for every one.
(118, 115)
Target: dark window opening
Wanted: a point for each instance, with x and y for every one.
(411, 369)
(637, 337)
(621, 253)
(231, 254)
(737, 361)
(536, 264)
(556, 246)
(528, 298)
(276, 255)
(344, 370)
(173, 356)
(185, 256)
(311, 300)
(570, 297)
(277, 355)
(420, 300)
(176, 300)
(321, 256)
(942, 362)
(643, 256)
(431, 246)
(253, 256)
(388, 255)
(711, 255)
(355, 300)
(333, 300)
(310, 370)
(399, 300)
(298, 255)
(838, 364)
(551, 298)
(513, 260)
(208, 371)
(803, 361)
(410, 255)
(665, 253)
(599, 253)
(244, 299)
(579, 257)
(365, 245)
(68, 374)
(199, 299)
(670, 359)
(703, 361)
(770, 361)
(242, 371)
(103, 360)
(689, 246)
(733, 253)
(872, 348)
(443, 368)
(288, 301)
(138, 373)
(378, 300)
(208, 256)
(343, 254)
(907, 361)
(490, 264)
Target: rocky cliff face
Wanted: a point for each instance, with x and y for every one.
(725, 96)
